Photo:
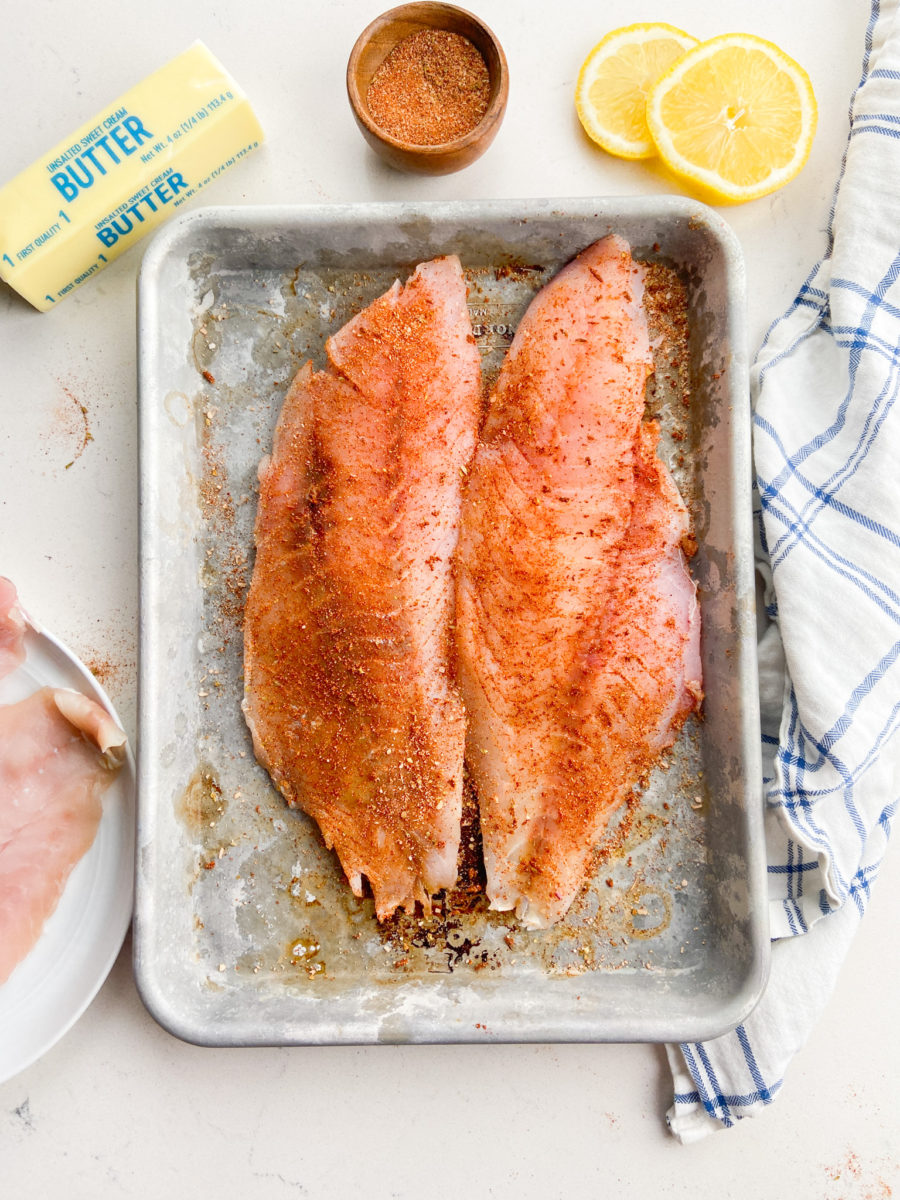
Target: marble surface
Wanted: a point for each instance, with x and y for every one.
(119, 1107)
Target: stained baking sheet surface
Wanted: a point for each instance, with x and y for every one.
(246, 932)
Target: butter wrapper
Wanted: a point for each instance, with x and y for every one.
(121, 174)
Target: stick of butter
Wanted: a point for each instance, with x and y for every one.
(65, 217)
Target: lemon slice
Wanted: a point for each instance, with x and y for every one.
(615, 79)
(735, 115)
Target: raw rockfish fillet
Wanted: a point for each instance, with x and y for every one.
(634, 682)
(59, 751)
(12, 629)
(349, 683)
(576, 617)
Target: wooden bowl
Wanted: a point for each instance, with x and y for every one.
(373, 46)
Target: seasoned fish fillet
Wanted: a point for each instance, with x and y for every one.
(576, 626)
(349, 683)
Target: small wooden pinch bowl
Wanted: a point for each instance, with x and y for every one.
(373, 46)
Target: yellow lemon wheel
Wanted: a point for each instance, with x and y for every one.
(735, 115)
(615, 80)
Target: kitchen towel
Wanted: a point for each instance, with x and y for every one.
(825, 389)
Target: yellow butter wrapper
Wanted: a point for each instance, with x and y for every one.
(122, 173)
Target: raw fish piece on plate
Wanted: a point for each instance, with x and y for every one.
(59, 751)
(577, 631)
(12, 629)
(349, 684)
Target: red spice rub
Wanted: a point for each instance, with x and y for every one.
(432, 88)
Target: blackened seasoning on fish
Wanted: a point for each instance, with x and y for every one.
(349, 684)
(432, 88)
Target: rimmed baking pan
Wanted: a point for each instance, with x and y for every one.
(245, 931)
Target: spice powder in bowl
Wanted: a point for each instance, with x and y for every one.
(428, 85)
(433, 87)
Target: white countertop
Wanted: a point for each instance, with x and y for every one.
(119, 1107)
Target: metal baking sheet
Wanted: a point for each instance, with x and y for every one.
(245, 930)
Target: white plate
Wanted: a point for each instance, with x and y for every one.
(50, 989)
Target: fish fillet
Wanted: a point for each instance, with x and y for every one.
(12, 629)
(59, 751)
(349, 682)
(576, 617)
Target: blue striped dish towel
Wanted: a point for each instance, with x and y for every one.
(826, 399)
